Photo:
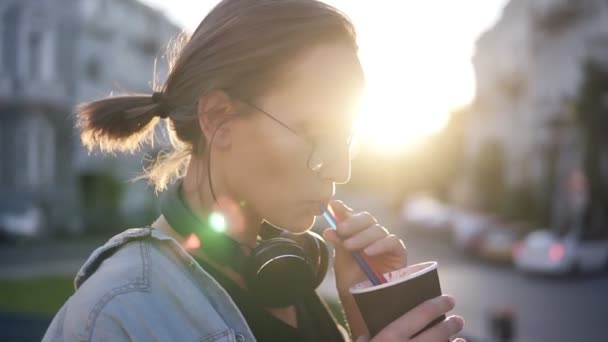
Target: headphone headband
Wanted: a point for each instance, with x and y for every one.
(220, 247)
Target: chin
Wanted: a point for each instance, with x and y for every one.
(298, 224)
(302, 224)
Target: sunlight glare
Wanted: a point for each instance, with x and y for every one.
(416, 56)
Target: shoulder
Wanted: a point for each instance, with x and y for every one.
(138, 287)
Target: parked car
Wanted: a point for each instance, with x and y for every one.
(547, 252)
(468, 230)
(498, 242)
(427, 214)
(19, 220)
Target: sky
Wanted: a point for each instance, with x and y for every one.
(416, 56)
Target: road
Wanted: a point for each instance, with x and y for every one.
(546, 309)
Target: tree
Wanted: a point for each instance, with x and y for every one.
(592, 119)
(489, 176)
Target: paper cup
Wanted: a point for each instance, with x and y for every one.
(405, 289)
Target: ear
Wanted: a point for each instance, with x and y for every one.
(214, 109)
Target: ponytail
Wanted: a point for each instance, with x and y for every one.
(119, 124)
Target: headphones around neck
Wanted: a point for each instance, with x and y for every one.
(279, 272)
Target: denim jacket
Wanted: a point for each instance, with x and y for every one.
(143, 286)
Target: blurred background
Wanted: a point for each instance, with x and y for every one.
(483, 147)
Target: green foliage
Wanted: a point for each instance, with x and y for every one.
(522, 204)
(41, 295)
(489, 176)
(101, 193)
(592, 118)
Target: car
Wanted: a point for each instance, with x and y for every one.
(547, 252)
(20, 220)
(426, 214)
(498, 242)
(468, 230)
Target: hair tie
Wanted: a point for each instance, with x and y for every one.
(158, 97)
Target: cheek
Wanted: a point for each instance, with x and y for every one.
(265, 171)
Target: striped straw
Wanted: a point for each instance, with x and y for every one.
(373, 275)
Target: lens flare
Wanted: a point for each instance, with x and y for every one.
(217, 222)
(192, 242)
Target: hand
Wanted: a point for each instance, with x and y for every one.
(361, 232)
(404, 327)
(385, 252)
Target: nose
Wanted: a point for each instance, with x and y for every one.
(337, 168)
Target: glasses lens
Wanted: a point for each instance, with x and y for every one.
(315, 162)
(331, 148)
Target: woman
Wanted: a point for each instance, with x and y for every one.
(260, 103)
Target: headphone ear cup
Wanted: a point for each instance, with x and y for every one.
(316, 250)
(279, 272)
(319, 253)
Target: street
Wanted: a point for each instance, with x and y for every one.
(546, 309)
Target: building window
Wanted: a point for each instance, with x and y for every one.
(11, 19)
(149, 47)
(47, 57)
(34, 55)
(92, 70)
(34, 153)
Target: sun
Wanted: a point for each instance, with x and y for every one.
(416, 58)
(411, 87)
(397, 112)
(391, 124)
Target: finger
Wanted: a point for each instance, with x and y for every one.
(341, 211)
(420, 316)
(459, 340)
(442, 331)
(331, 235)
(366, 237)
(390, 243)
(355, 223)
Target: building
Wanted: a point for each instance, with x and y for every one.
(53, 55)
(529, 69)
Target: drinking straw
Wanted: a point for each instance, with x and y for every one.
(373, 275)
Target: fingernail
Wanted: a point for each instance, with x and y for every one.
(458, 320)
(451, 301)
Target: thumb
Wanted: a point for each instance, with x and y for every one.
(341, 211)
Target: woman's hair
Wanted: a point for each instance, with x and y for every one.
(240, 47)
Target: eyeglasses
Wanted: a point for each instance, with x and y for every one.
(323, 148)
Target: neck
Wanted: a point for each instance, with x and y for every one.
(242, 225)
